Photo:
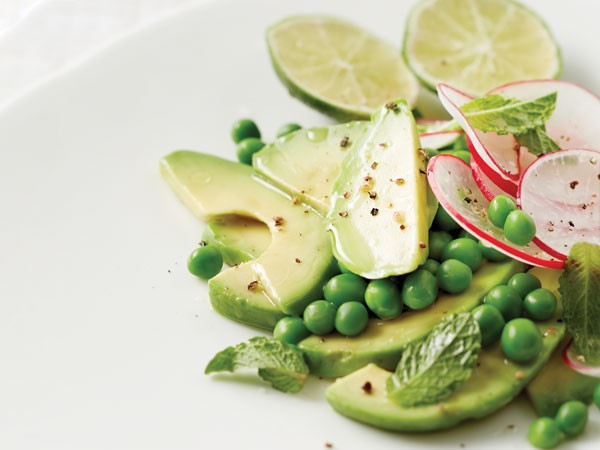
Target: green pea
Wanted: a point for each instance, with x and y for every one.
(420, 289)
(524, 283)
(437, 241)
(491, 254)
(465, 155)
(540, 304)
(465, 234)
(521, 340)
(444, 221)
(343, 268)
(572, 417)
(205, 262)
(544, 433)
(506, 299)
(351, 318)
(431, 265)
(287, 128)
(247, 148)
(243, 129)
(465, 250)
(491, 323)
(383, 297)
(290, 330)
(319, 317)
(499, 209)
(346, 287)
(519, 227)
(454, 276)
(597, 395)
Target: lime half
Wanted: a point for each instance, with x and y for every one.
(476, 45)
(337, 67)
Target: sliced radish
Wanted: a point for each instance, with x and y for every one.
(561, 192)
(509, 187)
(439, 139)
(496, 152)
(577, 363)
(574, 122)
(484, 183)
(451, 180)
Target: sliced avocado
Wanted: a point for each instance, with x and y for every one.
(306, 163)
(238, 238)
(379, 215)
(557, 383)
(494, 383)
(382, 342)
(291, 271)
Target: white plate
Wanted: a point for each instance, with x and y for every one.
(103, 334)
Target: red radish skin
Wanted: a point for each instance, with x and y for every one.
(561, 192)
(509, 187)
(485, 184)
(498, 153)
(451, 180)
(571, 359)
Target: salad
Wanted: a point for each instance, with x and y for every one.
(395, 255)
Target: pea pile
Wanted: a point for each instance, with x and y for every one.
(519, 227)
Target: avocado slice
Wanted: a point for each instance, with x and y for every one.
(238, 238)
(379, 215)
(557, 383)
(290, 273)
(382, 342)
(306, 163)
(494, 383)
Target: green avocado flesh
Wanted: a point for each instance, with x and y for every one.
(379, 216)
(290, 273)
(306, 163)
(494, 383)
(557, 383)
(382, 342)
(238, 238)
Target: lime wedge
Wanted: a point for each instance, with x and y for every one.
(476, 45)
(337, 67)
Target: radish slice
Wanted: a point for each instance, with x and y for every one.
(485, 184)
(573, 124)
(439, 139)
(575, 362)
(561, 192)
(509, 187)
(451, 180)
(496, 152)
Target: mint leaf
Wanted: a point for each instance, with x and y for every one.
(433, 368)
(537, 141)
(278, 363)
(580, 293)
(500, 115)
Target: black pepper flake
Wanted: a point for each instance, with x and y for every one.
(571, 223)
(467, 200)
(278, 221)
(343, 213)
(202, 244)
(573, 184)
(583, 206)
(422, 245)
(344, 141)
(328, 445)
(367, 387)
(422, 172)
(402, 227)
(368, 178)
(253, 285)
(374, 165)
(391, 106)
(297, 260)
(295, 201)
(373, 195)
(374, 211)
(399, 181)
(346, 194)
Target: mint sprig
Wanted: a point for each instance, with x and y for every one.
(435, 367)
(580, 293)
(524, 119)
(278, 363)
